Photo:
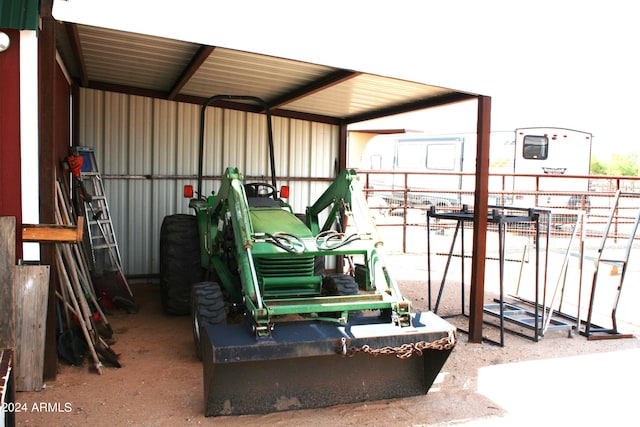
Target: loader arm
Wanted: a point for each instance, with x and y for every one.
(230, 204)
(344, 194)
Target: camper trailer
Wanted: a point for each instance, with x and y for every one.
(442, 157)
(438, 169)
(548, 153)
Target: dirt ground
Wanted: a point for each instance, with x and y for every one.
(558, 380)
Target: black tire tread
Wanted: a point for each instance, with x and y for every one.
(179, 262)
(207, 308)
(339, 284)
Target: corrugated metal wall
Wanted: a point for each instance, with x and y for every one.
(148, 148)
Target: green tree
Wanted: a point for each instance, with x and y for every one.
(624, 165)
(618, 165)
(597, 167)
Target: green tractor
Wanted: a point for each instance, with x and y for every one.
(274, 329)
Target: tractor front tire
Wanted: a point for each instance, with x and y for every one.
(207, 308)
(179, 262)
(339, 284)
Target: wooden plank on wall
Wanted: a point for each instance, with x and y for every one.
(32, 290)
(53, 233)
(7, 289)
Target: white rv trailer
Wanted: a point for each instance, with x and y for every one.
(547, 152)
(533, 151)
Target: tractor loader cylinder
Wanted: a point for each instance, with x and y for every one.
(254, 280)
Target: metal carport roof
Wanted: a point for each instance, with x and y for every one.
(118, 61)
(156, 67)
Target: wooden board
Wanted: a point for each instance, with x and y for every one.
(32, 290)
(7, 289)
(53, 233)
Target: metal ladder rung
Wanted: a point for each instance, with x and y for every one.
(99, 221)
(530, 320)
(509, 309)
(557, 325)
(613, 261)
(105, 246)
(99, 240)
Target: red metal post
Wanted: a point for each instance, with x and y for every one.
(405, 212)
(481, 204)
(47, 163)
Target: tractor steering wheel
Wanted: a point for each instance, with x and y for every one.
(260, 189)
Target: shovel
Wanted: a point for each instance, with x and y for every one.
(66, 342)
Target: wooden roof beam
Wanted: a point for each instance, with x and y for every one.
(76, 49)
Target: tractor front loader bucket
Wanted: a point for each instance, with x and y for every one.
(309, 364)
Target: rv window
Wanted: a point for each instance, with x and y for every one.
(410, 156)
(441, 157)
(376, 162)
(535, 147)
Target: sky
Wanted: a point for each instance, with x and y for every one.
(561, 63)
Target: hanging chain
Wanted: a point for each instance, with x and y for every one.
(405, 351)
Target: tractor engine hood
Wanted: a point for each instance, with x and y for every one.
(276, 220)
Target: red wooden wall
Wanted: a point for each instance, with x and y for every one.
(10, 171)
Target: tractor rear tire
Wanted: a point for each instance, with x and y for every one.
(179, 262)
(207, 308)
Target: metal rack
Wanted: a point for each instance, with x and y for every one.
(586, 327)
(592, 331)
(527, 318)
(578, 228)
